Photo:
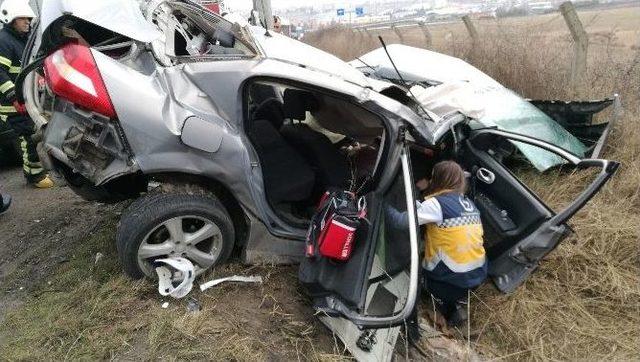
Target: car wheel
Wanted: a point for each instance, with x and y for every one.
(156, 226)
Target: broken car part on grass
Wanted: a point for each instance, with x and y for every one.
(5, 202)
(227, 136)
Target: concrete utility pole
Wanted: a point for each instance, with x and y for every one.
(263, 7)
(580, 43)
(471, 28)
(427, 34)
(398, 33)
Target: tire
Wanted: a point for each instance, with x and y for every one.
(147, 218)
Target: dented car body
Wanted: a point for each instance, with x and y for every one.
(228, 136)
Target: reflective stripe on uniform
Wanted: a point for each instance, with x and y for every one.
(31, 168)
(15, 70)
(33, 171)
(6, 86)
(5, 61)
(8, 109)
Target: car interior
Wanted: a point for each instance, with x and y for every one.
(509, 210)
(309, 142)
(194, 32)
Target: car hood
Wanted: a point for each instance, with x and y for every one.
(121, 16)
(448, 85)
(420, 65)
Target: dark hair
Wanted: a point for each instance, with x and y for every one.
(446, 175)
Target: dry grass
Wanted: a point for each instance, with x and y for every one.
(89, 311)
(584, 301)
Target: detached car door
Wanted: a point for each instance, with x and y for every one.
(365, 299)
(520, 229)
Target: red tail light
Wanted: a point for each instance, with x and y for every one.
(72, 73)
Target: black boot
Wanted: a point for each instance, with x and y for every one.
(458, 317)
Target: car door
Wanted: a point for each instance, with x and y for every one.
(520, 229)
(365, 299)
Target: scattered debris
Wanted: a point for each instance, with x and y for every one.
(367, 340)
(193, 305)
(99, 256)
(175, 271)
(235, 278)
(165, 305)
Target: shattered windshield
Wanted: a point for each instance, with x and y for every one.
(509, 112)
(492, 105)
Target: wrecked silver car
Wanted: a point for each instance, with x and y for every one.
(229, 135)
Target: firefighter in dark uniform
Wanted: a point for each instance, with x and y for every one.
(16, 17)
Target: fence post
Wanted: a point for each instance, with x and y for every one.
(427, 34)
(471, 28)
(398, 33)
(263, 7)
(580, 43)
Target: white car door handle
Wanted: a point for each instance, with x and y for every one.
(485, 176)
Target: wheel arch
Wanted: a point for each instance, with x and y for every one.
(221, 191)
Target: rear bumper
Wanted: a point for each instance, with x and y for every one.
(88, 144)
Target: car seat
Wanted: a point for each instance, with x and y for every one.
(287, 176)
(330, 165)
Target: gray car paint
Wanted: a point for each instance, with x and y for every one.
(152, 121)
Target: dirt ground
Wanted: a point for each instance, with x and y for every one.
(63, 295)
(38, 233)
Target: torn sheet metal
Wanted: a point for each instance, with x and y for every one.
(121, 16)
(235, 278)
(496, 106)
(578, 118)
(176, 278)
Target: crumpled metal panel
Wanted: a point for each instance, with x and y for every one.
(578, 118)
(121, 16)
(497, 106)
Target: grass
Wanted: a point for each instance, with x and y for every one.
(90, 311)
(583, 303)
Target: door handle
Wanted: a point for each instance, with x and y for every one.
(485, 176)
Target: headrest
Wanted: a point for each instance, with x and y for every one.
(225, 38)
(298, 102)
(270, 110)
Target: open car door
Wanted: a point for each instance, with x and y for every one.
(519, 228)
(365, 299)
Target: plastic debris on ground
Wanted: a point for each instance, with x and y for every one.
(235, 278)
(193, 305)
(99, 256)
(175, 277)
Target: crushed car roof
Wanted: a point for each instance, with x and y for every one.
(448, 85)
(121, 16)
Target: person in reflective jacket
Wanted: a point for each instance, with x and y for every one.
(16, 16)
(454, 258)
